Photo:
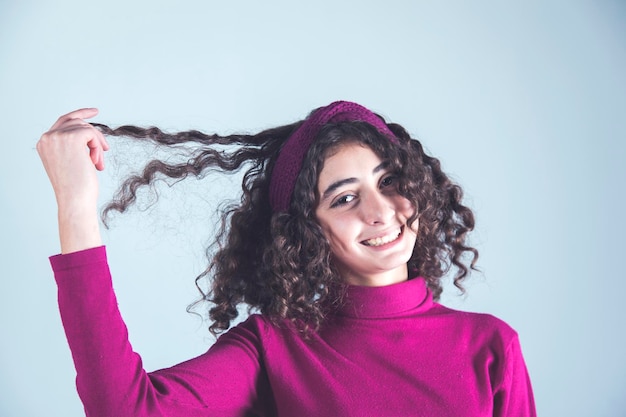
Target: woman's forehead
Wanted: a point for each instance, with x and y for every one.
(348, 160)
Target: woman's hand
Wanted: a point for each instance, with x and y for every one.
(71, 151)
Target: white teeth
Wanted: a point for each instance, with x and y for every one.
(382, 240)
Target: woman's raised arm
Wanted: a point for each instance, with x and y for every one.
(110, 377)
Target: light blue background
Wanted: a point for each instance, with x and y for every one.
(523, 102)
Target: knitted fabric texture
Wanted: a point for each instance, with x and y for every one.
(291, 157)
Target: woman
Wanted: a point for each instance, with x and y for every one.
(344, 232)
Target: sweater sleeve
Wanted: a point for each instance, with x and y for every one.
(513, 397)
(228, 380)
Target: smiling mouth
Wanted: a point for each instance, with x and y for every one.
(383, 240)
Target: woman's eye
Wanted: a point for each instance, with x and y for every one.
(388, 181)
(343, 200)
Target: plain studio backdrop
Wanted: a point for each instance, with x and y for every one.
(523, 102)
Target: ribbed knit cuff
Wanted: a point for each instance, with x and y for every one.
(78, 259)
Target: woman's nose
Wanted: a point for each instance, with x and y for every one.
(376, 208)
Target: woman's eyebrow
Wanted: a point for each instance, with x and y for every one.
(332, 187)
(380, 167)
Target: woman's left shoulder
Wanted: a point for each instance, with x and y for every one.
(479, 323)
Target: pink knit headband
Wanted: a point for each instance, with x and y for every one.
(291, 157)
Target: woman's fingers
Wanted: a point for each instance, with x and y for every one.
(97, 146)
(86, 113)
(69, 151)
(72, 130)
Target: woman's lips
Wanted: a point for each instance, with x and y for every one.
(383, 240)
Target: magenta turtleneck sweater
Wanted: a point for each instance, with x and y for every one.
(390, 351)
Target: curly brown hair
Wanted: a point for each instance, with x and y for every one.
(279, 264)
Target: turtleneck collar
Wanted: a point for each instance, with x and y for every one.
(387, 301)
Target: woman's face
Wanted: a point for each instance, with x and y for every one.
(364, 218)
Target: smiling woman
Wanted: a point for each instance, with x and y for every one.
(344, 232)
